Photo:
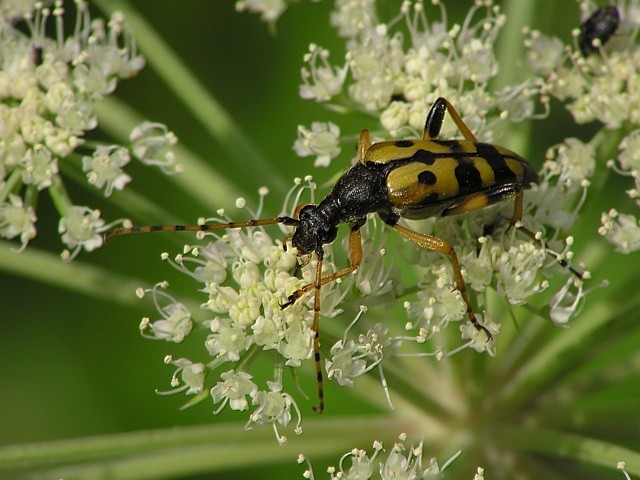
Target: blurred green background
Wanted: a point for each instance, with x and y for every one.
(76, 366)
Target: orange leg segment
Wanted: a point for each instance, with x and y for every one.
(436, 118)
(436, 244)
(364, 142)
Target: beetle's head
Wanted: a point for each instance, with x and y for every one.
(313, 230)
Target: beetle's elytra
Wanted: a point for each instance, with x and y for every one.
(414, 179)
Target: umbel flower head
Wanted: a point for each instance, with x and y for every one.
(245, 275)
(600, 84)
(242, 352)
(48, 88)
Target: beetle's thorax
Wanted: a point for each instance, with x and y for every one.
(358, 192)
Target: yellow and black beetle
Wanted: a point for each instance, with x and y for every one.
(414, 179)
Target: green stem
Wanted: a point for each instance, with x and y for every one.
(509, 45)
(510, 51)
(566, 445)
(560, 351)
(188, 88)
(199, 179)
(128, 200)
(76, 276)
(173, 452)
(59, 196)
(8, 186)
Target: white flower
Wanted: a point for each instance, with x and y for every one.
(439, 302)
(152, 144)
(39, 167)
(601, 86)
(404, 461)
(478, 338)
(233, 389)
(343, 364)
(104, 168)
(48, 87)
(629, 156)
(322, 141)
(81, 227)
(192, 374)
(545, 53)
(176, 321)
(274, 407)
(227, 340)
(16, 219)
(321, 81)
(269, 10)
(622, 230)
(517, 268)
(395, 74)
(297, 344)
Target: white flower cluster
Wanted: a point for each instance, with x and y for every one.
(397, 76)
(601, 86)
(48, 88)
(403, 461)
(247, 276)
(269, 10)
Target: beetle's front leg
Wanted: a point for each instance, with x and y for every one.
(355, 259)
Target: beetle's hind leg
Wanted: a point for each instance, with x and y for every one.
(516, 221)
(438, 245)
(499, 194)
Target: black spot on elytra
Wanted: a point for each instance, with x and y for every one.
(453, 145)
(501, 171)
(427, 178)
(404, 143)
(424, 156)
(468, 177)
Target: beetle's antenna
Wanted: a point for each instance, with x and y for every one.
(316, 334)
(205, 227)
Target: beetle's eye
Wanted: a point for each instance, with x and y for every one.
(305, 212)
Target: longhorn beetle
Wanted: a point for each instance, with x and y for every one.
(413, 179)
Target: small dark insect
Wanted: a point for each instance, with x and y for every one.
(398, 97)
(38, 52)
(601, 25)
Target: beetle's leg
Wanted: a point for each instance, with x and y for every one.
(438, 245)
(499, 194)
(433, 125)
(355, 259)
(364, 142)
(516, 221)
